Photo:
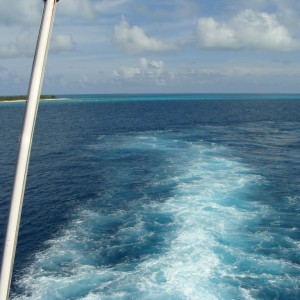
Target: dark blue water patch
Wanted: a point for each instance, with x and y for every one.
(10, 123)
(166, 113)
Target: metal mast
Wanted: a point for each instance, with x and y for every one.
(17, 196)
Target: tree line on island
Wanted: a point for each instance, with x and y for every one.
(24, 97)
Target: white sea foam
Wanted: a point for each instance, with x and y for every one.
(209, 254)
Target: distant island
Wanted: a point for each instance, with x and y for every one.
(23, 97)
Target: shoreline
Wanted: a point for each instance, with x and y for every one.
(24, 100)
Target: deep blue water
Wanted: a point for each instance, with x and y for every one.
(158, 197)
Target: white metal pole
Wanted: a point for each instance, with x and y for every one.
(25, 147)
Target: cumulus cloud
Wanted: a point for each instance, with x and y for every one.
(147, 70)
(134, 40)
(62, 42)
(126, 73)
(249, 29)
(25, 45)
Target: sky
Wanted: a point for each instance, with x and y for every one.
(157, 46)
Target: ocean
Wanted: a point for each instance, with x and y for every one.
(192, 196)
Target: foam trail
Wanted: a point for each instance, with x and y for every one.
(194, 243)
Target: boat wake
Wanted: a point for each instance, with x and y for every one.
(176, 217)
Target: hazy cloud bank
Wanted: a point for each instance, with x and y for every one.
(149, 70)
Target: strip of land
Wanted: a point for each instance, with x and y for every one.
(23, 98)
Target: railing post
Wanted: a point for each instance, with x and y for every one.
(17, 196)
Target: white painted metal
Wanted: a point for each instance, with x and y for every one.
(25, 147)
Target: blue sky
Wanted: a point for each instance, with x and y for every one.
(134, 46)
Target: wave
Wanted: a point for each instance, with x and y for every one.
(177, 218)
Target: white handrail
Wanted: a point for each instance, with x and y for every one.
(34, 92)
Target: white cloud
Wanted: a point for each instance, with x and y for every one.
(157, 65)
(26, 43)
(20, 12)
(147, 70)
(134, 40)
(126, 73)
(62, 42)
(28, 12)
(249, 29)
